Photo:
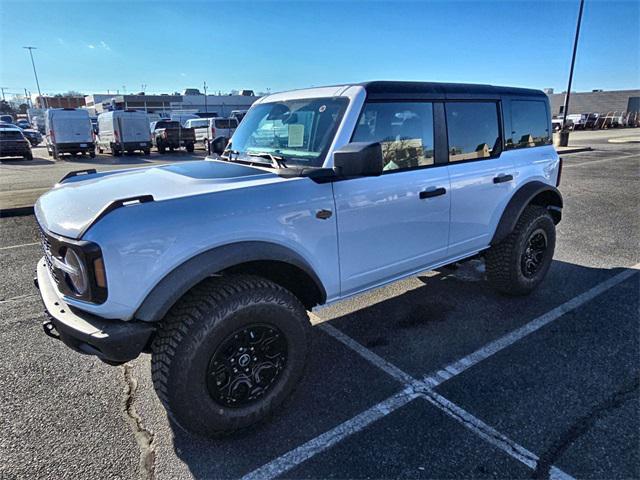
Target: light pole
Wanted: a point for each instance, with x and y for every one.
(205, 96)
(31, 49)
(564, 133)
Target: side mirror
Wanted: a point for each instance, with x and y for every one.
(219, 144)
(358, 159)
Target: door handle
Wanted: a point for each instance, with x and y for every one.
(502, 178)
(433, 193)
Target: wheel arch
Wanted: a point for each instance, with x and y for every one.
(532, 193)
(272, 261)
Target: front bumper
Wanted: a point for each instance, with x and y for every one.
(113, 341)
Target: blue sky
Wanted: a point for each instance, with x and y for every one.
(93, 47)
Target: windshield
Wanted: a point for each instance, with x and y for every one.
(299, 131)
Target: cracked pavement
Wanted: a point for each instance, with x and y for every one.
(567, 393)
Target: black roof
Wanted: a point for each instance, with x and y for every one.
(444, 89)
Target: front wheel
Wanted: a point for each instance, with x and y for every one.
(518, 264)
(229, 353)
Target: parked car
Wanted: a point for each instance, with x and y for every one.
(13, 143)
(183, 117)
(238, 114)
(169, 134)
(208, 129)
(23, 123)
(6, 118)
(69, 130)
(123, 131)
(211, 265)
(556, 123)
(34, 136)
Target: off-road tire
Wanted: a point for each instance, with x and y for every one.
(503, 261)
(161, 147)
(194, 329)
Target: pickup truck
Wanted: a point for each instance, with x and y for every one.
(170, 134)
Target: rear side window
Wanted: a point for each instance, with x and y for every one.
(404, 130)
(10, 135)
(529, 124)
(226, 123)
(472, 130)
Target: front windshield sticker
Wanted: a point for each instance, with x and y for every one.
(296, 135)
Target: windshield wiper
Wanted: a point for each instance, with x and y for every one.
(276, 161)
(230, 152)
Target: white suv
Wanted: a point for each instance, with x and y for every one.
(320, 195)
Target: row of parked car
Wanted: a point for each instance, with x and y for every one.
(71, 131)
(593, 121)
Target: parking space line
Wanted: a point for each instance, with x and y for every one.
(328, 439)
(19, 297)
(424, 389)
(589, 162)
(19, 246)
(494, 347)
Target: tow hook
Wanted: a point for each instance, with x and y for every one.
(50, 329)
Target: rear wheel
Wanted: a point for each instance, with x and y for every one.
(161, 147)
(55, 154)
(92, 154)
(190, 147)
(147, 151)
(518, 264)
(28, 156)
(230, 352)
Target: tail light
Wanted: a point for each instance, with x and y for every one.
(213, 132)
(52, 136)
(116, 135)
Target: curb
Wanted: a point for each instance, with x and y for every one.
(16, 212)
(574, 150)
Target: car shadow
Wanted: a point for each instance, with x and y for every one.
(22, 161)
(436, 318)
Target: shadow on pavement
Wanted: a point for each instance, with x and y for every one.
(21, 161)
(443, 317)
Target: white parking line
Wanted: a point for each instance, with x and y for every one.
(589, 162)
(19, 297)
(19, 246)
(322, 442)
(424, 389)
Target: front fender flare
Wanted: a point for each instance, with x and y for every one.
(535, 192)
(184, 277)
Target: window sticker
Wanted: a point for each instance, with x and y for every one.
(296, 135)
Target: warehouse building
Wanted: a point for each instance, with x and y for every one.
(597, 101)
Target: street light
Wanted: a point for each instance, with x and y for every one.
(205, 96)
(44, 100)
(564, 133)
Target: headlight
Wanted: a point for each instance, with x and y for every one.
(76, 272)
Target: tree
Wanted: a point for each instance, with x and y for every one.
(5, 107)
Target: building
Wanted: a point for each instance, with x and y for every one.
(59, 101)
(597, 101)
(222, 105)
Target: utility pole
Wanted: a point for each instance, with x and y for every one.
(27, 98)
(31, 49)
(564, 133)
(3, 89)
(205, 96)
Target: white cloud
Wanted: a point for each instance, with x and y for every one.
(183, 74)
(91, 46)
(104, 45)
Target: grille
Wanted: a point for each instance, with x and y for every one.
(46, 249)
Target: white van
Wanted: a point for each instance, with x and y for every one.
(124, 131)
(183, 117)
(207, 129)
(69, 130)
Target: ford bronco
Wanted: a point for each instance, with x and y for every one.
(321, 194)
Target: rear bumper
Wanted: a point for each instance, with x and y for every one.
(14, 150)
(113, 341)
(134, 145)
(75, 147)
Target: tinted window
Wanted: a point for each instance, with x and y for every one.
(10, 135)
(529, 124)
(473, 130)
(226, 123)
(404, 129)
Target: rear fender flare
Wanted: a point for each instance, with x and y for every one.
(537, 193)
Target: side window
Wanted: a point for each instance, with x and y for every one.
(404, 129)
(529, 123)
(473, 130)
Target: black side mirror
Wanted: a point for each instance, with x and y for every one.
(358, 159)
(219, 144)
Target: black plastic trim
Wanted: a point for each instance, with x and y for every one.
(113, 341)
(75, 173)
(175, 284)
(114, 205)
(519, 201)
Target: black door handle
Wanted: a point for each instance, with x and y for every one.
(433, 193)
(502, 178)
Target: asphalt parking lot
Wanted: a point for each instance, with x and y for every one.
(433, 377)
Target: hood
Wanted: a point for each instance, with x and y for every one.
(71, 207)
